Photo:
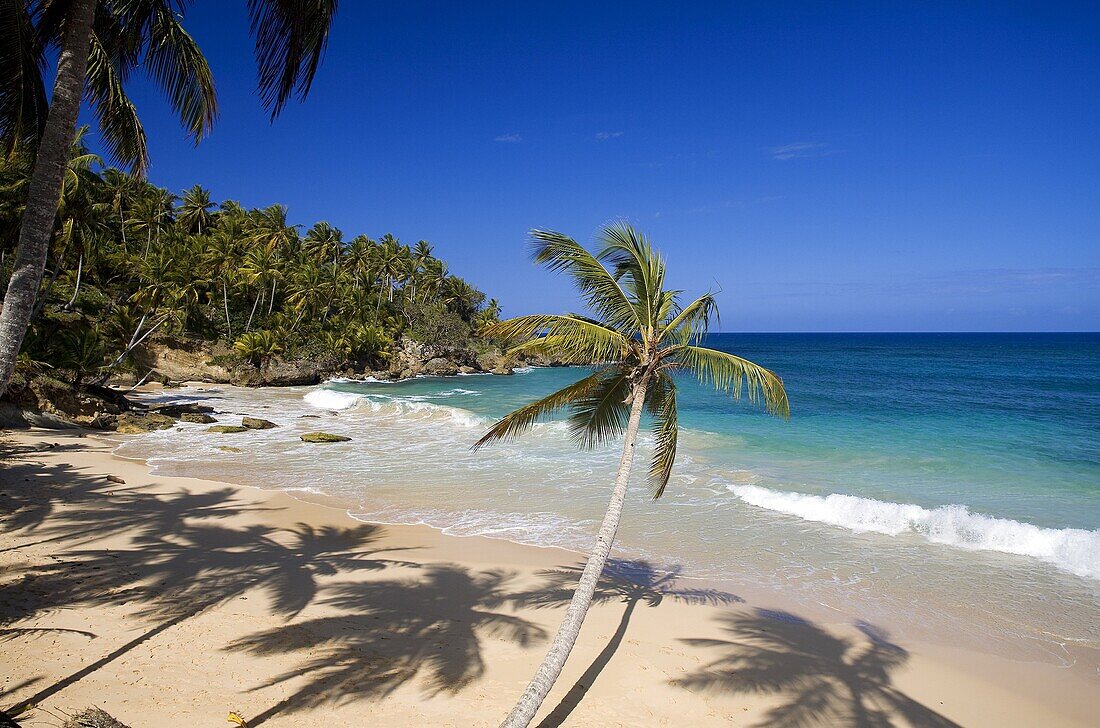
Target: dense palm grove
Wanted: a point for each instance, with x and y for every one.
(129, 261)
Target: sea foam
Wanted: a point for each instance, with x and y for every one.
(331, 399)
(1070, 549)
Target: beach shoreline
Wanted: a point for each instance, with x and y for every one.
(305, 616)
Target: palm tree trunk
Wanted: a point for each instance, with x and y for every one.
(76, 291)
(259, 295)
(45, 187)
(524, 712)
(576, 693)
(271, 304)
(225, 301)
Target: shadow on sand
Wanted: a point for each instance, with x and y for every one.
(820, 679)
(630, 582)
(428, 624)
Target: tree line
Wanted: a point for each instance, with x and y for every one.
(128, 260)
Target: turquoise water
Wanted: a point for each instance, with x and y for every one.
(925, 480)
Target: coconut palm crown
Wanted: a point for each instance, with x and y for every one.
(639, 334)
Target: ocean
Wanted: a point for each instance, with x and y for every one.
(944, 484)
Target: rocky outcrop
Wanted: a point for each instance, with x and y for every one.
(182, 360)
(323, 437)
(257, 423)
(283, 373)
(43, 401)
(133, 423)
(226, 429)
(441, 367)
(200, 418)
(179, 409)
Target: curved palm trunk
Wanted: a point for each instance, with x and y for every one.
(76, 291)
(524, 712)
(225, 301)
(45, 187)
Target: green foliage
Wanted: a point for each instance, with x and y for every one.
(79, 350)
(436, 323)
(192, 267)
(258, 347)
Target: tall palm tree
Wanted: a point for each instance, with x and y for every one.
(195, 210)
(98, 44)
(639, 336)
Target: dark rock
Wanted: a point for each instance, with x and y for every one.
(115, 479)
(198, 417)
(257, 423)
(501, 370)
(323, 437)
(133, 423)
(227, 448)
(440, 367)
(178, 409)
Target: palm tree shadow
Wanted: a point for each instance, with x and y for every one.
(631, 582)
(824, 679)
(179, 562)
(389, 632)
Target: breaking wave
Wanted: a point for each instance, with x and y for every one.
(1070, 549)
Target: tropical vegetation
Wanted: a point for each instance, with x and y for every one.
(99, 45)
(128, 260)
(637, 339)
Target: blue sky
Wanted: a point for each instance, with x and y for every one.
(831, 166)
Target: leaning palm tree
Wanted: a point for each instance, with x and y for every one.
(638, 337)
(98, 45)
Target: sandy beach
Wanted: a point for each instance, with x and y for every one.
(172, 601)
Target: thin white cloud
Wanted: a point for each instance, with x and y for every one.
(603, 136)
(509, 138)
(797, 150)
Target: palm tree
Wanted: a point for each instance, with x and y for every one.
(324, 242)
(195, 210)
(98, 45)
(639, 337)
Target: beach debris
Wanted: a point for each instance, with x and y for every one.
(133, 423)
(226, 429)
(115, 479)
(257, 423)
(93, 718)
(236, 719)
(198, 417)
(323, 437)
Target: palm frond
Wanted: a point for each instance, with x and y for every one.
(177, 65)
(574, 338)
(661, 402)
(636, 263)
(601, 414)
(123, 134)
(23, 105)
(601, 292)
(290, 37)
(521, 420)
(693, 322)
(732, 374)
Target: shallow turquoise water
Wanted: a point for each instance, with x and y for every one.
(924, 480)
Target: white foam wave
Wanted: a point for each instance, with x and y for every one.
(331, 399)
(1070, 549)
